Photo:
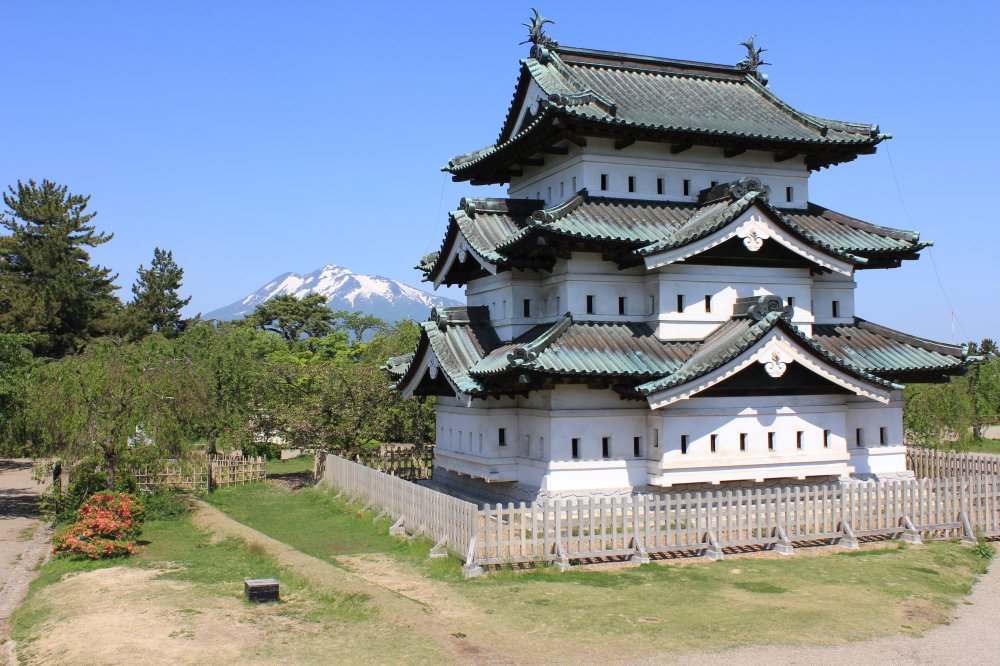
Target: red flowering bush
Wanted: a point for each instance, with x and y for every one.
(107, 525)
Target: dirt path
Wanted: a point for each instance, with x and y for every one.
(24, 540)
(459, 631)
(24, 544)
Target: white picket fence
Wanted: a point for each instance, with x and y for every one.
(934, 463)
(705, 522)
(416, 509)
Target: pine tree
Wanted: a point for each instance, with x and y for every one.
(48, 285)
(157, 306)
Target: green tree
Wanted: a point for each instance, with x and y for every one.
(300, 322)
(358, 323)
(983, 384)
(15, 362)
(157, 305)
(48, 285)
(116, 402)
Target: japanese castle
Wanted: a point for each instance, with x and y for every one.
(657, 303)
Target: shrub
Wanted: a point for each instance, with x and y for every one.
(983, 548)
(269, 450)
(107, 525)
(164, 504)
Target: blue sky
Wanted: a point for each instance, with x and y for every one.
(256, 138)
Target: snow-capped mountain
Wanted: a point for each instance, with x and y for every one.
(344, 290)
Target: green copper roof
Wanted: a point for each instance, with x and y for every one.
(737, 336)
(504, 231)
(883, 351)
(630, 356)
(660, 99)
(587, 349)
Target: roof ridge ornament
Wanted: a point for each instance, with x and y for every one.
(536, 33)
(753, 61)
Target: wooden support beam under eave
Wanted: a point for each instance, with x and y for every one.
(733, 152)
(532, 161)
(624, 143)
(556, 150)
(782, 157)
(677, 148)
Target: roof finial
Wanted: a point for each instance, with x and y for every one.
(536, 31)
(753, 60)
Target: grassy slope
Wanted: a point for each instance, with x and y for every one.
(844, 596)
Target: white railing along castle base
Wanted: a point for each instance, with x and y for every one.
(703, 522)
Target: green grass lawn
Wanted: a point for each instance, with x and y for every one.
(296, 465)
(979, 446)
(695, 605)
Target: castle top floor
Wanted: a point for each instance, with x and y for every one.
(654, 128)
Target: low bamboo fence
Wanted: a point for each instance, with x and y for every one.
(202, 475)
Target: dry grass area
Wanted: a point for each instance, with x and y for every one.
(351, 594)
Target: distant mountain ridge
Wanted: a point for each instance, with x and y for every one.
(343, 289)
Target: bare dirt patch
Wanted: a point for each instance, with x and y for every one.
(153, 621)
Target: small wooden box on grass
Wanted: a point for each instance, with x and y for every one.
(260, 589)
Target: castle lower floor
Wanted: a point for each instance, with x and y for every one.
(573, 441)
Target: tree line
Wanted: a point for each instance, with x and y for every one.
(91, 379)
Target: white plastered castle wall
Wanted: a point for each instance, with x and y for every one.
(539, 433)
(652, 166)
(653, 296)
(565, 289)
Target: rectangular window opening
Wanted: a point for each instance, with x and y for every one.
(659, 186)
(788, 194)
(562, 189)
(714, 183)
(743, 441)
(527, 307)
(502, 436)
(575, 448)
(680, 302)
(883, 436)
(826, 439)
(684, 444)
(791, 303)
(637, 446)
(590, 304)
(770, 441)
(604, 182)
(605, 447)
(631, 183)
(799, 435)
(656, 438)
(621, 305)
(574, 184)
(835, 308)
(548, 193)
(858, 438)
(687, 187)
(713, 441)
(708, 303)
